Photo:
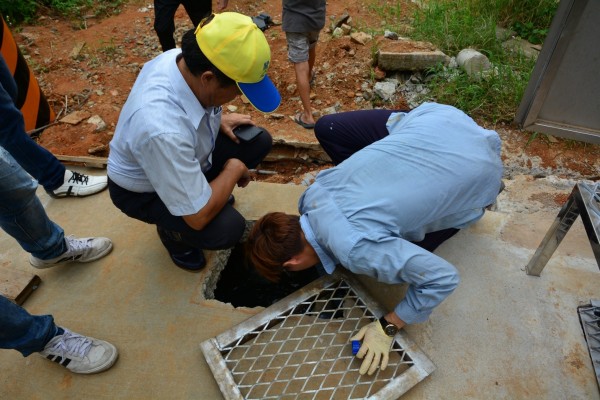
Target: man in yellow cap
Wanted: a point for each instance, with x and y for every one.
(174, 159)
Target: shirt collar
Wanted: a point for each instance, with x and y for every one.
(192, 107)
(328, 262)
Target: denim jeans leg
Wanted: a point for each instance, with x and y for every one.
(22, 331)
(36, 160)
(22, 215)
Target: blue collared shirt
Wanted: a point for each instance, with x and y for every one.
(164, 138)
(437, 169)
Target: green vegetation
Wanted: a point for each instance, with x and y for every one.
(17, 11)
(452, 25)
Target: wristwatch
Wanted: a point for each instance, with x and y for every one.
(389, 328)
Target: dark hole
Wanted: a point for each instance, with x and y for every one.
(240, 285)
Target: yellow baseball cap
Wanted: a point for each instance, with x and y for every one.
(239, 49)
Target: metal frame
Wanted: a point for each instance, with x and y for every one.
(299, 348)
(581, 202)
(565, 30)
(589, 316)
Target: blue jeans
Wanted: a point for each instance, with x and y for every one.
(22, 331)
(22, 215)
(36, 160)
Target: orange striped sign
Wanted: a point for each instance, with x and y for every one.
(30, 99)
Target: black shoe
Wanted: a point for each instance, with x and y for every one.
(184, 256)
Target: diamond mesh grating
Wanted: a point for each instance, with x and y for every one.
(590, 322)
(299, 348)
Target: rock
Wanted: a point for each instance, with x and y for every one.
(361, 37)
(473, 62)
(98, 122)
(337, 33)
(76, 50)
(410, 60)
(75, 117)
(385, 90)
(379, 73)
(291, 88)
(97, 149)
(346, 29)
(503, 34)
(275, 116)
(232, 108)
(390, 35)
(344, 19)
(517, 45)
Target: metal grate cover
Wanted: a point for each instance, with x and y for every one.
(299, 348)
(589, 316)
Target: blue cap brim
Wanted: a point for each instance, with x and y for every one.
(262, 95)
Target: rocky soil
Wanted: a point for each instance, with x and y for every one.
(89, 66)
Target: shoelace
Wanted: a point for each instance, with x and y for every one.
(72, 343)
(79, 178)
(76, 245)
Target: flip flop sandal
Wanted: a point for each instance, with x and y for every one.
(298, 120)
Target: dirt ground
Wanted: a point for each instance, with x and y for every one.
(97, 79)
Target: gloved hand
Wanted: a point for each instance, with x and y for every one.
(375, 345)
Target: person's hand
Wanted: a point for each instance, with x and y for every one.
(240, 169)
(375, 347)
(231, 121)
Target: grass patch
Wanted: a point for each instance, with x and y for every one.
(455, 25)
(19, 11)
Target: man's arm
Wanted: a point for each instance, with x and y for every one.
(393, 260)
(234, 172)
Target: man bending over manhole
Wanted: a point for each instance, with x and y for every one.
(405, 183)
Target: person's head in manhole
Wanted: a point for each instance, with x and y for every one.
(405, 183)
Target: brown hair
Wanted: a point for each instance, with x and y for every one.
(274, 239)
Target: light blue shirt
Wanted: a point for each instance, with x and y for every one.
(436, 170)
(164, 138)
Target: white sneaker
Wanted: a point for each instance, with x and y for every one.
(80, 250)
(80, 354)
(80, 185)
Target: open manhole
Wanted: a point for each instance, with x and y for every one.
(298, 347)
(241, 286)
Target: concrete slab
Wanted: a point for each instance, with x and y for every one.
(501, 335)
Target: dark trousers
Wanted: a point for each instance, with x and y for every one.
(343, 134)
(164, 15)
(226, 229)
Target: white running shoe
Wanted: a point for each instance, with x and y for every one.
(80, 250)
(80, 185)
(80, 354)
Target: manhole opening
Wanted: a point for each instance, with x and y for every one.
(241, 286)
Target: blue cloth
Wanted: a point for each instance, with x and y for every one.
(36, 160)
(22, 331)
(164, 139)
(436, 170)
(21, 214)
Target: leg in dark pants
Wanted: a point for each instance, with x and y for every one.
(343, 134)
(164, 17)
(432, 240)
(197, 9)
(164, 23)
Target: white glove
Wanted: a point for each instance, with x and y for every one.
(375, 344)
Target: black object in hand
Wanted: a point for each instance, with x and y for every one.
(247, 133)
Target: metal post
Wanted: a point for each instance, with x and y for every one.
(559, 228)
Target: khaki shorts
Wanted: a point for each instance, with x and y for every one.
(299, 43)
